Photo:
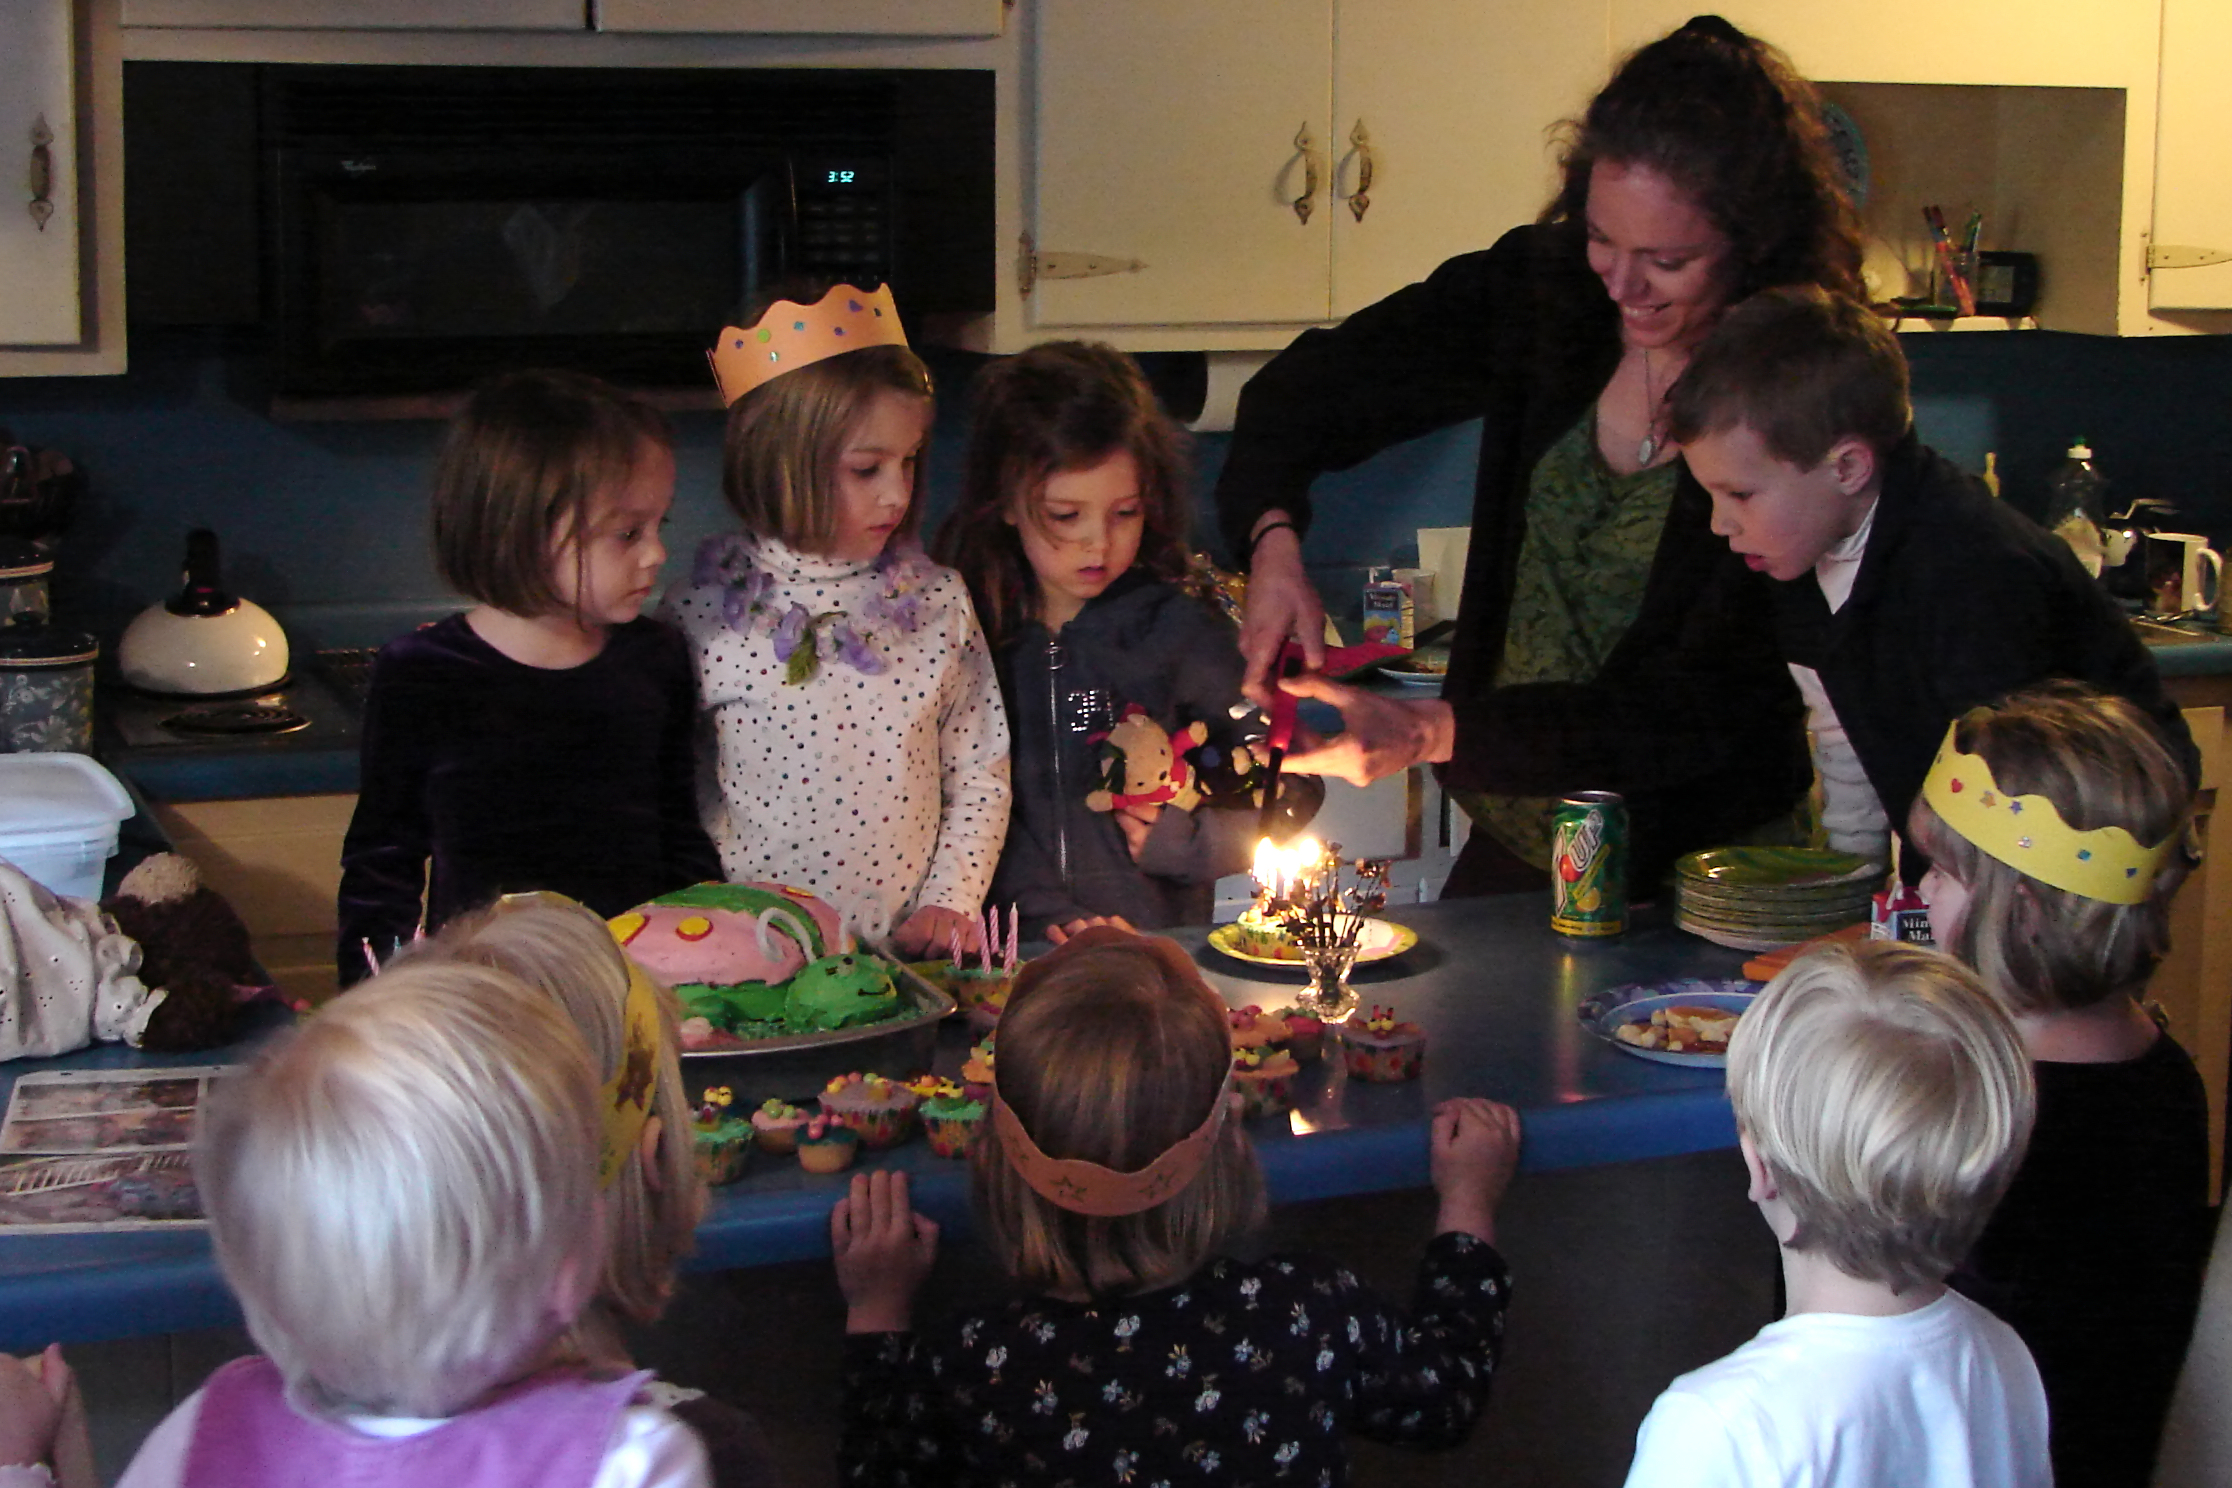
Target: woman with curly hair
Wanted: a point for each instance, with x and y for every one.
(1606, 640)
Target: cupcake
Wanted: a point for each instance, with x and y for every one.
(1253, 1028)
(1379, 1048)
(976, 1071)
(776, 1125)
(951, 1119)
(1265, 1079)
(826, 1147)
(1258, 934)
(882, 1111)
(1305, 1038)
(719, 1139)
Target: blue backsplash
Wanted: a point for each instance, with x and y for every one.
(325, 522)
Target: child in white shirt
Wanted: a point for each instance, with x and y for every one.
(1882, 1100)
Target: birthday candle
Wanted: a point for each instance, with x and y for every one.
(953, 947)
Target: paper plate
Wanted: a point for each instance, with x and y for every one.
(1773, 870)
(1379, 940)
(1606, 1011)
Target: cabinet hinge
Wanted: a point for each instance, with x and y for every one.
(2177, 256)
(1032, 265)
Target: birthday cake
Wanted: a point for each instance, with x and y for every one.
(755, 961)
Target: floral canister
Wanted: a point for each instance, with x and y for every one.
(46, 687)
(25, 570)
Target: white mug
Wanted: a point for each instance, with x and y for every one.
(2183, 572)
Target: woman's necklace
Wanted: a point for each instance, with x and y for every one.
(1647, 448)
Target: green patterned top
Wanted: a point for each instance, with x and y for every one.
(1591, 534)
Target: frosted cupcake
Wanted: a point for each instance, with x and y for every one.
(719, 1139)
(976, 1071)
(951, 1119)
(1258, 934)
(1305, 1038)
(882, 1111)
(1253, 1028)
(826, 1147)
(1379, 1048)
(1265, 1079)
(775, 1125)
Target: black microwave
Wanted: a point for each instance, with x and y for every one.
(428, 226)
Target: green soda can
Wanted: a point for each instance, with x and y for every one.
(1588, 865)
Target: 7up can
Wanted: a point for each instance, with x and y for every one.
(1588, 865)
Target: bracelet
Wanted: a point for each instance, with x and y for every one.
(1269, 528)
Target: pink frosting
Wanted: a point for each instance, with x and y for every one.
(684, 943)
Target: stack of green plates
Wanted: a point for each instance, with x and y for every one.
(1758, 898)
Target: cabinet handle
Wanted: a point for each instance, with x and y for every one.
(41, 178)
(1360, 200)
(1307, 202)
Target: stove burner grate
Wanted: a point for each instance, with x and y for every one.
(237, 718)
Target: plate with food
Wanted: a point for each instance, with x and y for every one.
(1417, 668)
(1260, 942)
(1685, 1022)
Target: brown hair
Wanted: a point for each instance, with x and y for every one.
(520, 475)
(1111, 1057)
(1801, 368)
(779, 458)
(2102, 763)
(1726, 118)
(1886, 1092)
(1061, 406)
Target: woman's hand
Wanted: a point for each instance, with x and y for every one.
(1281, 603)
(1380, 735)
(1056, 934)
(1136, 823)
(929, 932)
(884, 1251)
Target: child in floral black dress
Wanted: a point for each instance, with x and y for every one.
(1109, 1172)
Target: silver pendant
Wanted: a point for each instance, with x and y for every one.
(1648, 447)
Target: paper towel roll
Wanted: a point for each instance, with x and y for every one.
(1227, 371)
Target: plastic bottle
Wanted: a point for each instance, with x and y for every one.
(2076, 503)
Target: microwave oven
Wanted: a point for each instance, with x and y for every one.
(430, 226)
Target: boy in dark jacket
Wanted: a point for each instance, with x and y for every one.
(1904, 593)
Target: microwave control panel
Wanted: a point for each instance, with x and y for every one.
(844, 217)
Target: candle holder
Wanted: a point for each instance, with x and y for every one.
(1300, 889)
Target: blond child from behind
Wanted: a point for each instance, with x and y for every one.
(859, 744)
(653, 1198)
(1111, 1174)
(1882, 1102)
(403, 1195)
(2056, 828)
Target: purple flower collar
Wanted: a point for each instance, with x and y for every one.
(748, 568)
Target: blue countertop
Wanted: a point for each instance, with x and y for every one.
(1494, 988)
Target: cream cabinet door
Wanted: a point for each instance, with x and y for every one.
(788, 17)
(2193, 161)
(41, 217)
(360, 15)
(1166, 137)
(1452, 104)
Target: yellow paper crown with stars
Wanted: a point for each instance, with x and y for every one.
(2028, 834)
(790, 336)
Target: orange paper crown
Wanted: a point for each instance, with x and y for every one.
(790, 336)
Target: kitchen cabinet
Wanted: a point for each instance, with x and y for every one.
(2191, 253)
(277, 860)
(763, 17)
(2194, 983)
(1224, 174)
(787, 17)
(61, 217)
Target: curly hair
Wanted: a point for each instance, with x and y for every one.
(1725, 117)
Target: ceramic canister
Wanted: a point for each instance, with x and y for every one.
(24, 571)
(46, 688)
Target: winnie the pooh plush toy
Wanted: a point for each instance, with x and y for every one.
(1142, 765)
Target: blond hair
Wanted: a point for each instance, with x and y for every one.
(565, 951)
(1887, 1094)
(520, 477)
(399, 1188)
(1111, 1059)
(779, 456)
(2102, 763)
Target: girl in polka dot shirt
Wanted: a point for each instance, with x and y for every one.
(858, 746)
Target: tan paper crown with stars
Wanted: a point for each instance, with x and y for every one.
(790, 336)
(2029, 835)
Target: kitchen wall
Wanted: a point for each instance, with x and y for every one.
(324, 522)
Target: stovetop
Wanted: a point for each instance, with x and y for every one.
(318, 707)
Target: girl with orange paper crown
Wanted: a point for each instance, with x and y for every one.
(543, 738)
(1110, 1174)
(1071, 532)
(860, 746)
(2056, 829)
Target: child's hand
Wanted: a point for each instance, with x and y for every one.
(1056, 934)
(884, 1250)
(32, 1392)
(1475, 1150)
(1136, 822)
(929, 932)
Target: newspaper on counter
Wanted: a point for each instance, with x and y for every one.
(102, 1150)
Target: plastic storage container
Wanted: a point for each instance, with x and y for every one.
(59, 815)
